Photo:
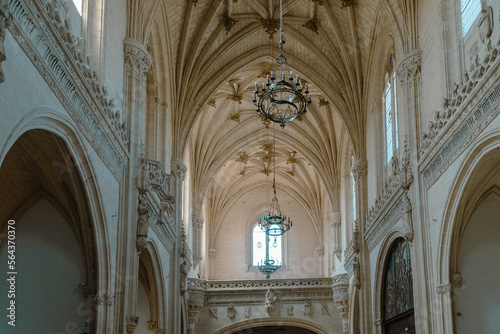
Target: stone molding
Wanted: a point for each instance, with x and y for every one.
(58, 56)
(471, 106)
(263, 284)
(352, 248)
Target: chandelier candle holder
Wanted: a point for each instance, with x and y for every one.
(275, 223)
(284, 100)
(268, 266)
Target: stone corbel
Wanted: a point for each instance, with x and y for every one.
(410, 66)
(5, 18)
(132, 322)
(193, 313)
(341, 300)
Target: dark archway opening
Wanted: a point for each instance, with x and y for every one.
(275, 330)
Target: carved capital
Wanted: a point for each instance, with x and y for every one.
(132, 322)
(409, 68)
(336, 220)
(444, 288)
(198, 223)
(320, 251)
(359, 169)
(212, 254)
(178, 170)
(136, 57)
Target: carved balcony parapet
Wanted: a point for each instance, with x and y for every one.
(186, 261)
(153, 177)
(460, 97)
(400, 179)
(253, 292)
(57, 54)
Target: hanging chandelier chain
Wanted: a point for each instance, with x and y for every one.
(282, 39)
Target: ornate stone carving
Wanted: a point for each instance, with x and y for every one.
(453, 116)
(235, 117)
(270, 25)
(236, 97)
(359, 169)
(400, 178)
(136, 57)
(228, 22)
(153, 177)
(323, 101)
(410, 67)
(324, 309)
(132, 322)
(289, 311)
(398, 284)
(146, 215)
(178, 170)
(485, 23)
(407, 218)
(312, 25)
(336, 223)
(186, 261)
(456, 280)
(347, 3)
(270, 299)
(211, 103)
(444, 288)
(213, 312)
(151, 324)
(306, 309)
(242, 157)
(340, 290)
(58, 56)
(248, 312)
(320, 251)
(4, 22)
(352, 248)
(197, 235)
(356, 272)
(212, 253)
(231, 311)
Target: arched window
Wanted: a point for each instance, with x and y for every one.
(397, 299)
(353, 189)
(79, 6)
(390, 112)
(260, 241)
(469, 10)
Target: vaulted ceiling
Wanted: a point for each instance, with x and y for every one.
(207, 54)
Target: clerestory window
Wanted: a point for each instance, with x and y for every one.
(469, 10)
(260, 241)
(390, 113)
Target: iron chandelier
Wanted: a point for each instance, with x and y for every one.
(284, 100)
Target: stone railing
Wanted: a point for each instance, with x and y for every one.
(45, 37)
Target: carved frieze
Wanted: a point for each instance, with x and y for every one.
(453, 126)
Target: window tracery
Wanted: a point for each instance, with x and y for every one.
(259, 243)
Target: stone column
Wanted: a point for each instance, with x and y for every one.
(137, 62)
(320, 253)
(212, 254)
(340, 289)
(336, 224)
(361, 265)
(195, 303)
(178, 171)
(197, 238)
